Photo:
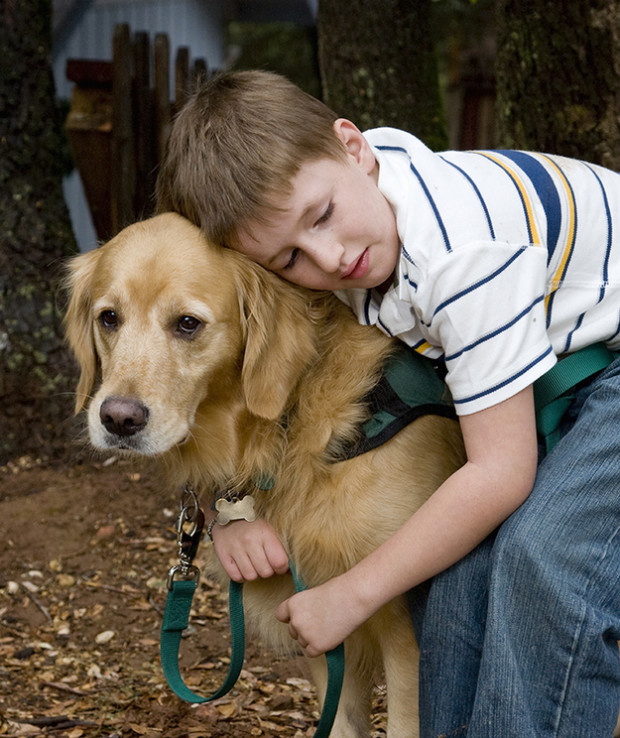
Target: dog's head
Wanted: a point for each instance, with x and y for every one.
(162, 322)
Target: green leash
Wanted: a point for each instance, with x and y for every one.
(554, 391)
(176, 619)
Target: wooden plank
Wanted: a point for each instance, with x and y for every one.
(162, 93)
(199, 72)
(89, 72)
(89, 130)
(131, 139)
(181, 77)
(144, 126)
(123, 180)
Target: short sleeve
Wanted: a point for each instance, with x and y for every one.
(484, 305)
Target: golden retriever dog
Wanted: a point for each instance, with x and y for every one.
(193, 354)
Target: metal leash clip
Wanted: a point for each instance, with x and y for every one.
(189, 527)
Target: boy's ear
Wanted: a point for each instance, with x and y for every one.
(355, 143)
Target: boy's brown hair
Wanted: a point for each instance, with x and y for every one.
(236, 145)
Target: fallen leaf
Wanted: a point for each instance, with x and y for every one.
(140, 729)
(228, 709)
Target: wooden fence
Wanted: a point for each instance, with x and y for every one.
(119, 121)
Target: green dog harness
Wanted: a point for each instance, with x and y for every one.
(410, 387)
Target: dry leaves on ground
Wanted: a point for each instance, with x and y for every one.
(84, 554)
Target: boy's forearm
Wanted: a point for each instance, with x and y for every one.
(469, 505)
(458, 516)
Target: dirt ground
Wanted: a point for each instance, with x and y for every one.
(84, 553)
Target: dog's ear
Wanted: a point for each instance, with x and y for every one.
(279, 339)
(78, 322)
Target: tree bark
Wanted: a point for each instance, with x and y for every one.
(558, 66)
(378, 65)
(37, 377)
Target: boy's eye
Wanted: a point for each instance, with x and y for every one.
(292, 259)
(326, 215)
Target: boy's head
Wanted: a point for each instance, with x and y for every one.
(235, 147)
(264, 168)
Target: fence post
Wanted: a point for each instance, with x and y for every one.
(144, 126)
(162, 93)
(181, 76)
(200, 71)
(123, 174)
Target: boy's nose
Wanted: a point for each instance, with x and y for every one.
(328, 257)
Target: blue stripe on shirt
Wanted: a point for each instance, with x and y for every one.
(572, 226)
(497, 331)
(507, 381)
(571, 238)
(605, 274)
(569, 338)
(474, 186)
(384, 327)
(546, 191)
(609, 235)
(429, 197)
(530, 220)
(367, 303)
(480, 282)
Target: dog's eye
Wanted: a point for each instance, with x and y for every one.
(187, 326)
(109, 320)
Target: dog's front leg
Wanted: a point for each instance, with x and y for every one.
(353, 716)
(401, 659)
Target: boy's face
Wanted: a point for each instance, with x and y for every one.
(335, 230)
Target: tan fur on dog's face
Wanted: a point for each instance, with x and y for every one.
(138, 303)
(156, 317)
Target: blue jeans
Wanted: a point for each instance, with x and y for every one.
(519, 639)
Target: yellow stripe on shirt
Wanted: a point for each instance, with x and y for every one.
(570, 237)
(527, 204)
(423, 347)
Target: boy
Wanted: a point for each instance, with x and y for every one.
(496, 263)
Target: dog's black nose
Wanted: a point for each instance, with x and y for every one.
(123, 416)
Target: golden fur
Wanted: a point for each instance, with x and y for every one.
(216, 397)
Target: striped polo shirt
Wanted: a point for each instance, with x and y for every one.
(508, 260)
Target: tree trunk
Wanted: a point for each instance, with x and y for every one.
(557, 77)
(37, 378)
(378, 65)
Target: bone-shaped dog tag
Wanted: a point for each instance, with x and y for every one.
(228, 510)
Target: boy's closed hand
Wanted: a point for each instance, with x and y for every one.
(249, 551)
(319, 619)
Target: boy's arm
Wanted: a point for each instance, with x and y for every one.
(498, 476)
(248, 551)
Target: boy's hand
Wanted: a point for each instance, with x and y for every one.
(320, 618)
(248, 551)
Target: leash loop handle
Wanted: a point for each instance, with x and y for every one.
(176, 619)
